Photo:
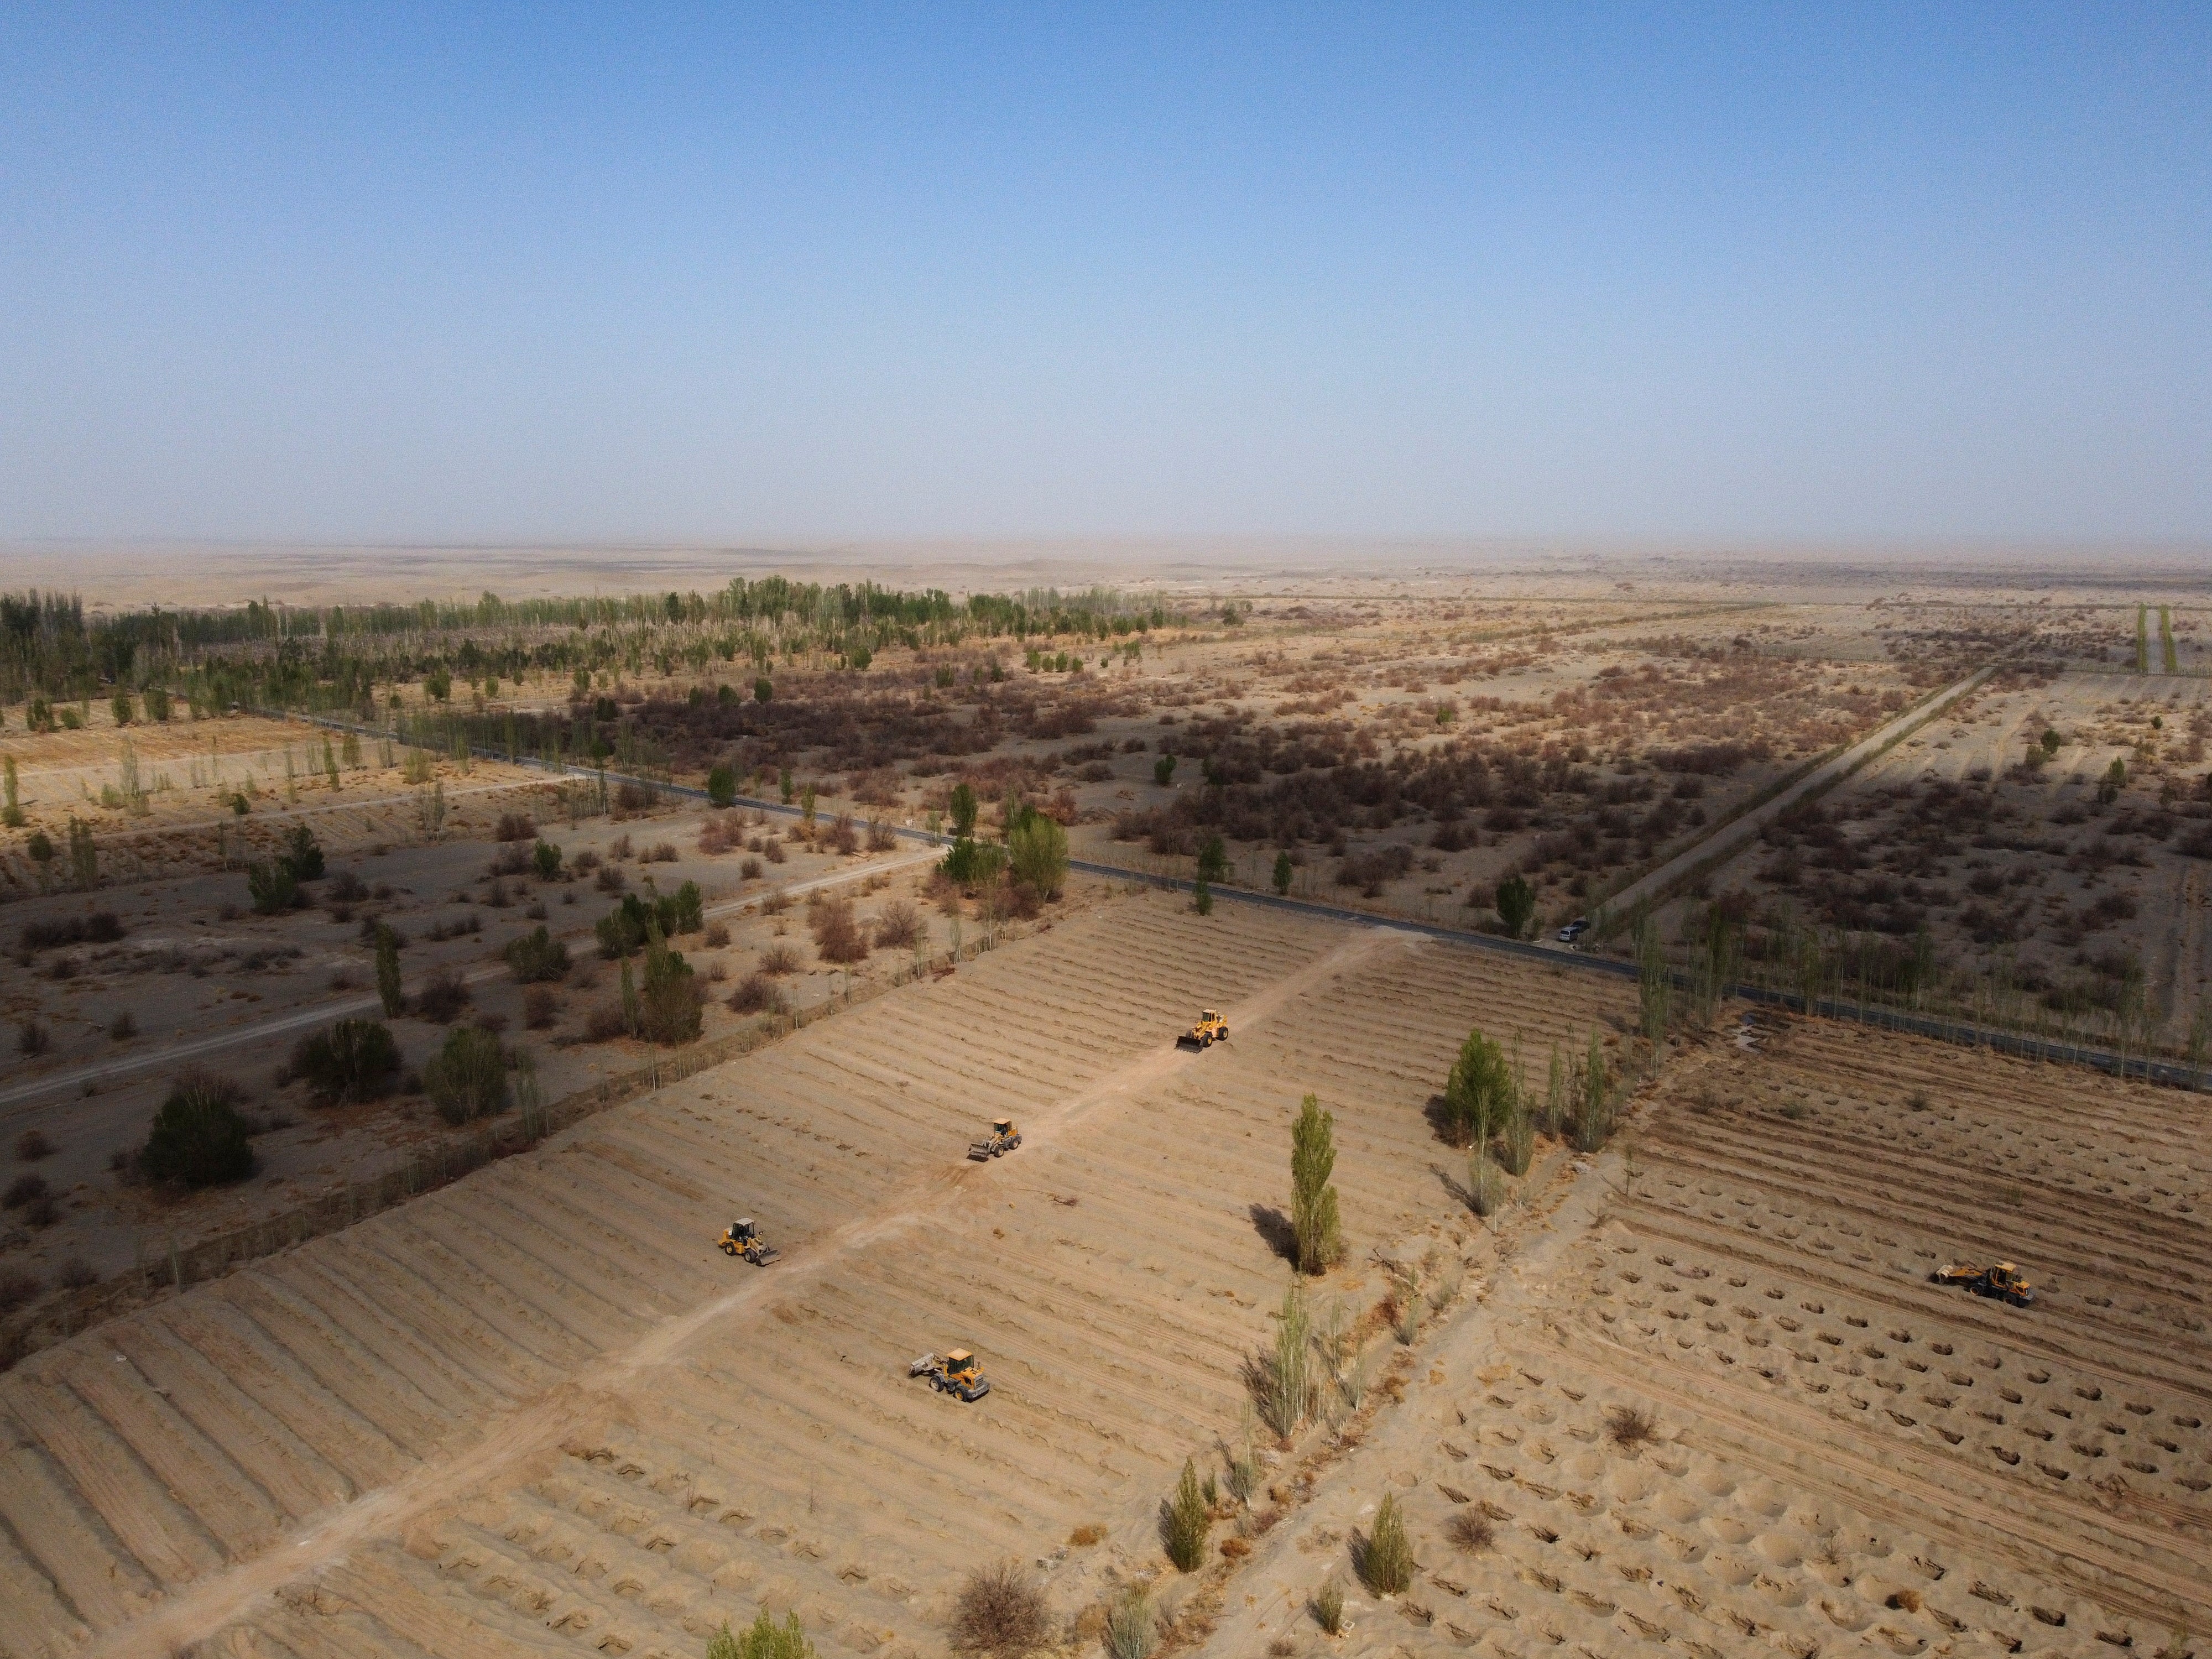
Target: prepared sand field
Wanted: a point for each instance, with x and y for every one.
(540, 1400)
(536, 1412)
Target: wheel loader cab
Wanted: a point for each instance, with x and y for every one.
(1002, 1127)
(741, 1232)
(960, 1365)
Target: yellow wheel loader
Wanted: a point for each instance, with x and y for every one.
(1003, 1139)
(743, 1239)
(2003, 1281)
(955, 1374)
(1210, 1030)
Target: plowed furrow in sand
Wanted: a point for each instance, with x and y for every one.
(512, 1212)
(952, 1453)
(93, 1570)
(596, 1607)
(2155, 1576)
(2098, 1355)
(43, 1624)
(484, 1369)
(435, 1621)
(1931, 1213)
(2097, 1229)
(296, 1478)
(2051, 1098)
(560, 1301)
(227, 1503)
(158, 1531)
(274, 1378)
(533, 1348)
(356, 1371)
(313, 1290)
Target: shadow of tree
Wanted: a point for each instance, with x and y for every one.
(1448, 1129)
(1275, 1231)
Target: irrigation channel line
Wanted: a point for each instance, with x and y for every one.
(1962, 1033)
(278, 1026)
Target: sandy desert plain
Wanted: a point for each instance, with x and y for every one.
(443, 1367)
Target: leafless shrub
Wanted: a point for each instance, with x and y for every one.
(604, 1023)
(17, 1289)
(443, 997)
(661, 851)
(757, 993)
(32, 1038)
(516, 826)
(1629, 1428)
(837, 937)
(32, 1146)
(1000, 1611)
(586, 861)
(881, 837)
(540, 1008)
(749, 870)
(721, 835)
(611, 880)
(843, 837)
(620, 848)
(24, 1190)
(718, 936)
(772, 850)
(780, 959)
(898, 927)
(77, 1274)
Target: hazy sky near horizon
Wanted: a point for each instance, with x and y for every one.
(1828, 273)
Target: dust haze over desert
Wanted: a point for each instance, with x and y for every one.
(957, 833)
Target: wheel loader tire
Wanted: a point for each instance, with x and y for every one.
(1223, 1034)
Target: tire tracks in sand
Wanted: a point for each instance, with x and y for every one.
(612, 1385)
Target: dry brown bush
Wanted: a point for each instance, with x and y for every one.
(1000, 1612)
(516, 826)
(757, 993)
(898, 927)
(1470, 1530)
(604, 1023)
(718, 936)
(843, 837)
(837, 937)
(443, 997)
(780, 959)
(721, 835)
(32, 1146)
(661, 851)
(749, 870)
(1629, 1428)
(540, 1008)
(17, 1289)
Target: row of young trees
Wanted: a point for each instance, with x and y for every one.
(333, 656)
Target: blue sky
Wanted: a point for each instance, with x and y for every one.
(1686, 275)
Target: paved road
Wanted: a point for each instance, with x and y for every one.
(1821, 778)
(272, 1030)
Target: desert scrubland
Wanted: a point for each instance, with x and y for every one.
(402, 998)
